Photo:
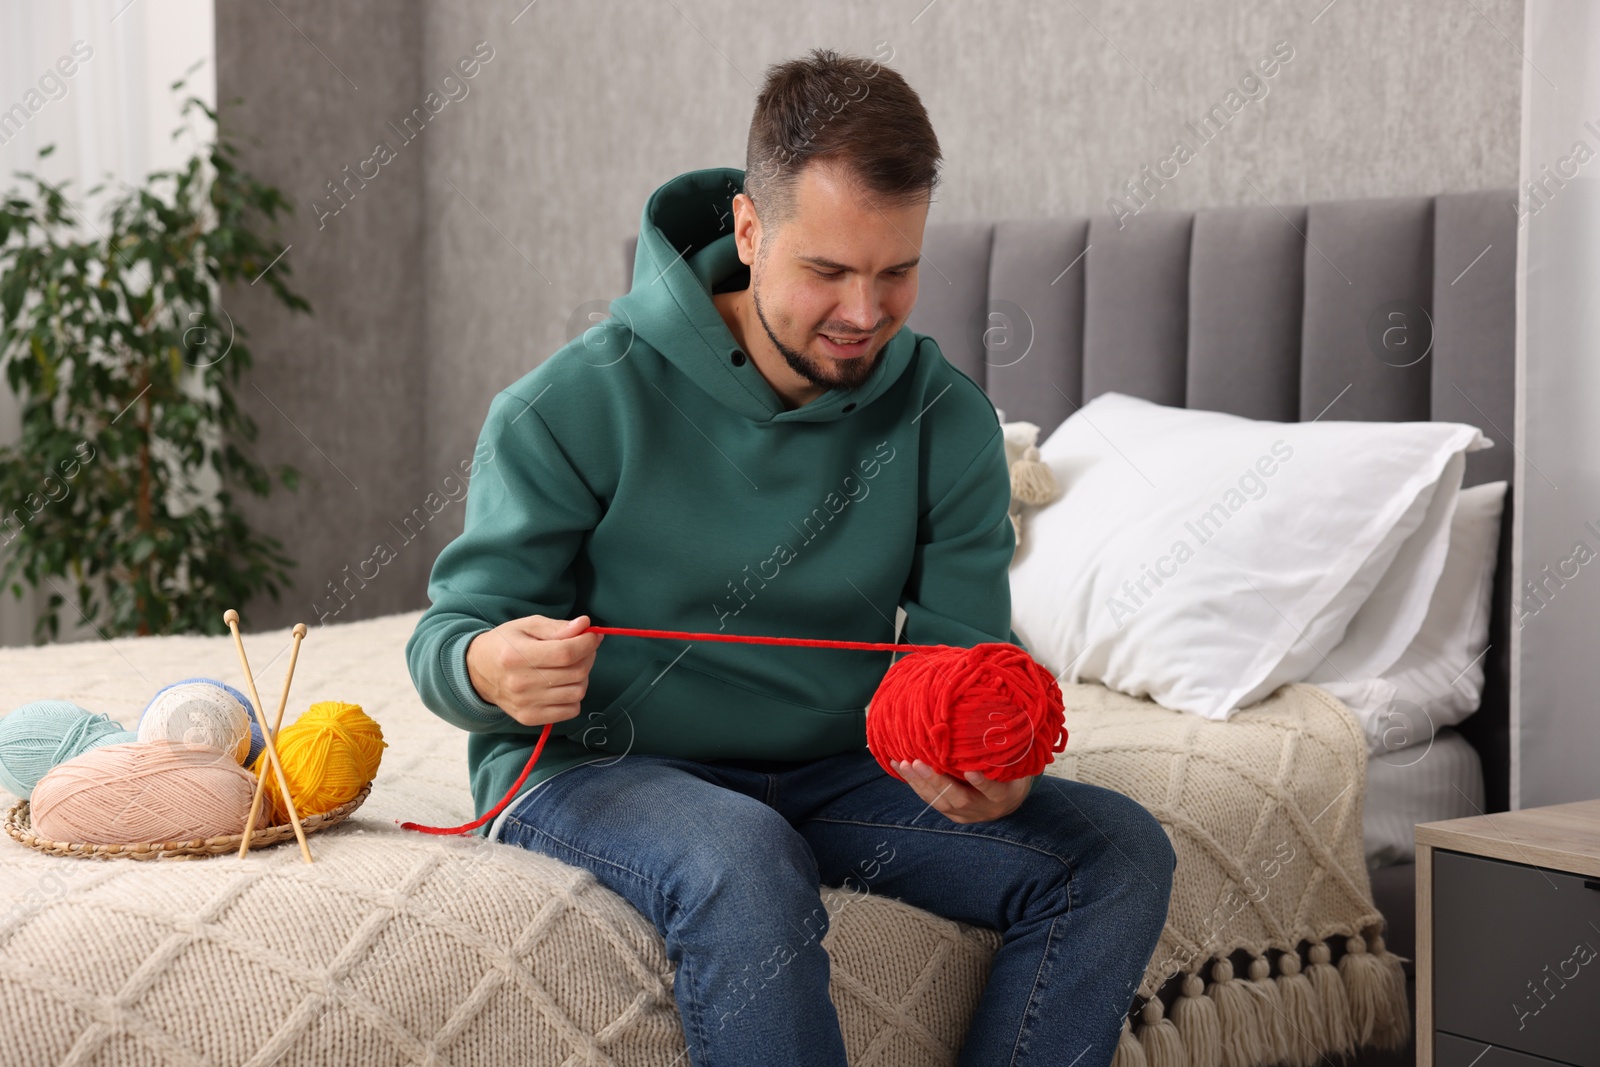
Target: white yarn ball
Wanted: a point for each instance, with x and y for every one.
(201, 714)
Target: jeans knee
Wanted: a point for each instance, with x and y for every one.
(751, 881)
(1149, 847)
(1158, 858)
(1137, 840)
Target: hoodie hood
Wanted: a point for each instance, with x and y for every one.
(686, 248)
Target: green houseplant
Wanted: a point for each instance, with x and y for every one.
(124, 363)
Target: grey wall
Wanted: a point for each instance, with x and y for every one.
(462, 269)
(340, 395)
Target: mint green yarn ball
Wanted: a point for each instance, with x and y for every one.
(36, 737)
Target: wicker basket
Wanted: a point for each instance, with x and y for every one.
(19, 826)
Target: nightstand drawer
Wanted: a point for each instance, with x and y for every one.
(1516, 957)
(1460, 1052)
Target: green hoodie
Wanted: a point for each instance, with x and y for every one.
(647, 475)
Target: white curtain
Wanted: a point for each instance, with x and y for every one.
(93, 78)
(1556, 677)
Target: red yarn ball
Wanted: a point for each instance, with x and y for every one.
(990, 708)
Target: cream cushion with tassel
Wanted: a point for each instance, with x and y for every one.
(1032, 482)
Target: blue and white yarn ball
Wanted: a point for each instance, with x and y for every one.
(205, 711)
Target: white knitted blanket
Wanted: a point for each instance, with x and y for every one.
(1272, 950)
(398, 947)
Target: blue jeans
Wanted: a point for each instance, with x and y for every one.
(726, 858)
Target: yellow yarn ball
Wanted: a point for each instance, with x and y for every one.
(328, 754)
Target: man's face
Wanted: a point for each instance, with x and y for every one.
(841, 269)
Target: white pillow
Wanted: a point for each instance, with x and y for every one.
(1204, 559)
(1438, 680)
(1387, 621)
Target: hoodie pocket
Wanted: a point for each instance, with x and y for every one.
(671, 709)
(595, 729)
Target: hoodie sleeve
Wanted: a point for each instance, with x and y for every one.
(959, 591)
(526, 515)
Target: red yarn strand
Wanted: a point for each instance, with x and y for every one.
(953, 708)
(475, 823)
(743, 639)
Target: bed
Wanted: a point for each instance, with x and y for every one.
(399, 948)
(1258, 311)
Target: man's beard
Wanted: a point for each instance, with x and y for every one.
(844, 374)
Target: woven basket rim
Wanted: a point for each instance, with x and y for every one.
(19, 825)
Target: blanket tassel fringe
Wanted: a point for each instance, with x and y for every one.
(1293, 1018)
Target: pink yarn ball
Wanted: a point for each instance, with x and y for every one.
(156, 790)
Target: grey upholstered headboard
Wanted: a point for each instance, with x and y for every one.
(1381, 309)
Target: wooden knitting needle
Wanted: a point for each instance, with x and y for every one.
(231, 617)
(261, 776)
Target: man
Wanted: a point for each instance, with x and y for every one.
(755, 443)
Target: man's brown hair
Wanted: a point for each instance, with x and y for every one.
(840, 109)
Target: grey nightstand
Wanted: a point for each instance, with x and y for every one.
(1508, 939)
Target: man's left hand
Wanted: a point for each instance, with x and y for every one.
(977, 798)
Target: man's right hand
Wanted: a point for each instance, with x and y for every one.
(534, 668)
